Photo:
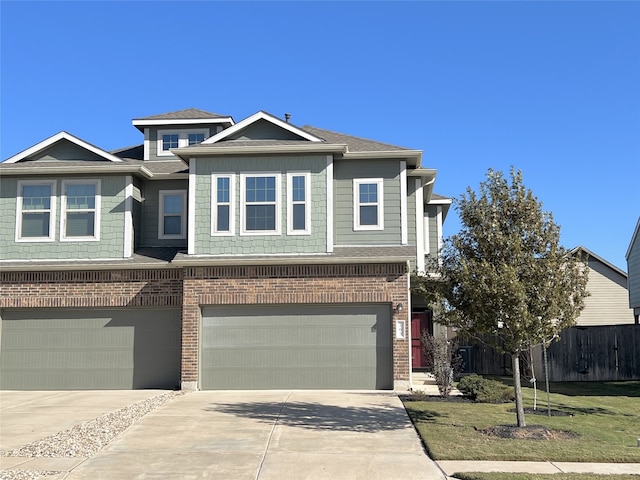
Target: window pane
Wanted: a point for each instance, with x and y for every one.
(172, 225)
(369, 215)
(169, 141)
(261, 217)
(80, 224)
(196, 138)
(36, 197)
(223, 189)
(299, 217)
(81, 197)
(368, 193)
(223, 218)
(261, 189)
(35, 225)
(172, 204)
(298, 189)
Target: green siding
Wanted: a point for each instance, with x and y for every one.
(65, 150)
(297, 346)
(153, 137)
(69, 349)
(431, 212)
(112, 221)
(344, 172)
(316, 242)
(411, 210)
(150, 211)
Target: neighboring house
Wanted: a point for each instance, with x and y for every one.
(607, 303)
(633, 267)
(215, 255)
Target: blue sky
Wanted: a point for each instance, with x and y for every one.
(552, 88)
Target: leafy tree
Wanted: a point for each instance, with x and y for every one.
(504, 279)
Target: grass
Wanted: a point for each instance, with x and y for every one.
(605, 416)
(537, 476)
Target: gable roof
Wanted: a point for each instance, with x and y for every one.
(256, 117)
(634, 237)
(58, 137)
(589, 253)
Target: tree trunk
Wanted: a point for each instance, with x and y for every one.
(515, 361)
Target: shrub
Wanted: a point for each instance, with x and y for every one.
(484, 390)
(442, 358)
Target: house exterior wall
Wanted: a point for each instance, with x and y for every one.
(150, 210)
(431, 221)
(344, 172)
(315, 242)
(153, 137)
(633, 269)
(112, 224)
(89, 289)
(308, 284)
(64, 151)
(608, 300)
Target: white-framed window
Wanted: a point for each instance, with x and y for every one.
(168, 139)
(298, 203)
(368, 207)
(222, 204)
(36, 211)
(172, 211)
(80, 214)
(260, 210)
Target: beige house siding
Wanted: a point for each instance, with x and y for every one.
(608, 303)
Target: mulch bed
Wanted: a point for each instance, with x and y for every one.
(530, 432)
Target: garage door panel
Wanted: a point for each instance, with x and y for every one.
(59, 349)
(296, 346)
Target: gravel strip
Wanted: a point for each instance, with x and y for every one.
(86, 439)
(24, 474)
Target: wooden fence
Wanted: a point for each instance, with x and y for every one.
(603, 353)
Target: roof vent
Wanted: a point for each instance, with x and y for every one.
(287, 117)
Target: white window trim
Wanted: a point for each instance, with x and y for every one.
(243, 206)
(52, 212)
(161, 214)
(356, 204)
(183, 139)
(97, 210)
(232, 204)
(291, 203)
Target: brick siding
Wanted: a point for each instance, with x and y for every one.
(306, 284)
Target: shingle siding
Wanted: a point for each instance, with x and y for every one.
(112, 221)
(316, 242)
(344, 172)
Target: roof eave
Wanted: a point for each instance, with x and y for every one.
(216, 149)
(416, 155)
(302, 260)
(40, 169)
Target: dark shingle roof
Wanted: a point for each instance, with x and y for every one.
(136, 152)
(355, 144)
(186, 114)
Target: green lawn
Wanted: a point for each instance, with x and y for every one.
(536, 476)
(605, 416)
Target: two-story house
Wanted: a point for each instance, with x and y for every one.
(215, 255)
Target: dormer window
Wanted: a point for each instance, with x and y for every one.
(168, 139)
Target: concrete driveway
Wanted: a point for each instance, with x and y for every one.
(264, 435)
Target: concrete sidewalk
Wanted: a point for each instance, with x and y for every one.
(450, 467)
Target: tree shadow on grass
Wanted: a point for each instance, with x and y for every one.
(425, 416)
(320, 416)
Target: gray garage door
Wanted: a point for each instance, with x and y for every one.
(296, 346)
(69, 349)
